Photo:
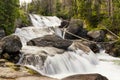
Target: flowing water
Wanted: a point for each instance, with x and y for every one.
(58, 63)
(45, 21)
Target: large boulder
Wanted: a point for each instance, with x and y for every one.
(50, 41)
(98, 35)
(79, 45)
(86, 77)
(92, 46)
(11, 43)
(10, 48)
(112, 48)
(76, 27)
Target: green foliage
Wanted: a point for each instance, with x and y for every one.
(113, 23)
(88, 11)
(117, 48)
(24, 18)
(8, 15)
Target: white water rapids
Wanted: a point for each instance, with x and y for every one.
(58, 63)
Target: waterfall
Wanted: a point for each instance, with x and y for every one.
(44, 21)
(28, 33)
(47, 22)
(58, 63)
(74, 62)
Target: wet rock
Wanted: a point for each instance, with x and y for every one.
(64, 24)
(10, 48)
(11, 43)
(37, 55)
(86, 77)
(107, 47)
(113, 48)
(97, 36)
(79, 45)
(76, 27)
(50, 41)
(92, 46)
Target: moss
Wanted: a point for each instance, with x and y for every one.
(32, 71)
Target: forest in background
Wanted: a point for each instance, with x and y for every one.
(95, 13)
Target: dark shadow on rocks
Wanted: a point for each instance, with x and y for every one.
(76, 27)
(50, 41)
(86, 77)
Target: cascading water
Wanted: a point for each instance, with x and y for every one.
(42, 21)
(55, 63)
(59, 63)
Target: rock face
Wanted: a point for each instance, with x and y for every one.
(76, 27)
(98, 36)
(10, 47)
(86, 77)
(50, 41)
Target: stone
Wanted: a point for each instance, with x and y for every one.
(76, 27)
(79, 45)
(92, 46)
(97, 36)
(64, 24)
(10, 48)
(86, 77)
(50, 41)
(112, 48)
(11, 43)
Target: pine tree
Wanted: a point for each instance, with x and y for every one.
(9, 10)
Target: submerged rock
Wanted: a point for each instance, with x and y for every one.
(76, 27)
(50, 41)
(86, 77)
